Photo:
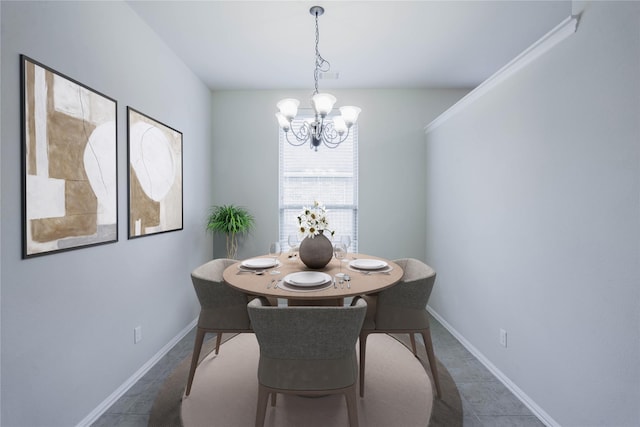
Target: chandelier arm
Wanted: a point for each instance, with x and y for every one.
(297, 142)
(302, 136)
(330, 135)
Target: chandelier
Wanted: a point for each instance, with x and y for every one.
(331, 132)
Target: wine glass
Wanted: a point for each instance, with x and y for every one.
(346, 240)
(275, 249)
(340, 252)
(293, 244)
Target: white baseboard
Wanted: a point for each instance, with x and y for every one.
(120, 391)
(521, 395)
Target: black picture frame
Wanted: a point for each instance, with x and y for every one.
(69, 162)
(154, 176)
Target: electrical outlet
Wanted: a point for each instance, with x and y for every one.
(503, 338)
(137, 334)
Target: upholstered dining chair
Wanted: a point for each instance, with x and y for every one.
(223, 309)
(306, 350)
(401, 309)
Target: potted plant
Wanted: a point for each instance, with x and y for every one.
(230, 220)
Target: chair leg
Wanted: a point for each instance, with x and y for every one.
(412, 337)
(363, 350)
(263, 396)
(218, 341)
(426, 336)
(352, 406)
(197, 346)
(274, 395)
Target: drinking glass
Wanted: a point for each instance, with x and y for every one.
(275, 250)
(346, 240)
(340, 252)
(293, 244)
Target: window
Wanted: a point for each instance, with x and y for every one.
(329, 176)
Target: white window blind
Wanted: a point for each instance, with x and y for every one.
(329, 176)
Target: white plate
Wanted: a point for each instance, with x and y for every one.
(368, 264)
(307, 278)
(259, 263)
(295, 288)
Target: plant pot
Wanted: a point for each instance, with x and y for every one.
(316, 252)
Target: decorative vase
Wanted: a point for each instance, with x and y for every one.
(316, 252)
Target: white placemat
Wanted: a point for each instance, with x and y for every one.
(307, 278)
(287, 287)
(382, 270)
(259, 263)
(368, 264)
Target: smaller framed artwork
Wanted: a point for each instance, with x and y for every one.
(155, 176)
(69, 152)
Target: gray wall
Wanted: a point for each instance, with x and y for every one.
(68, 318)
(533, 222)
(391, 169)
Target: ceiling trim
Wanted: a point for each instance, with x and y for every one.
(543, 45)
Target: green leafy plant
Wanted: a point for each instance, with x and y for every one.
(230, 220)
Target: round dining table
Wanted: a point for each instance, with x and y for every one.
(270, 282)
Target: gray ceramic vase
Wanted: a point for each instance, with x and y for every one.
(316, 252)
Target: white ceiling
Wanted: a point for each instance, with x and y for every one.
(371, 44)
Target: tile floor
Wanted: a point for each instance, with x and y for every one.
(486, 401)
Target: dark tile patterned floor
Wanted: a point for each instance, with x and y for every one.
(486, 401)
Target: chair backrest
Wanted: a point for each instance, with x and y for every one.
(404, 304)
(222, 307)
(307, 348)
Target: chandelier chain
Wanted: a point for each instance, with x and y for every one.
(322, 65)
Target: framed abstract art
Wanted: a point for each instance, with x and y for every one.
(69, 152)
(155, 176)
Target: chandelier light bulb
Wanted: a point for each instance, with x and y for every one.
(323, 103)
(283, 122)
(288, 108)
(350, 114)
(339, 125)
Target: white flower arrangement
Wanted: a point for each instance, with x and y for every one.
(313, 221)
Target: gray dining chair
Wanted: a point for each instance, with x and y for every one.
(306, 350)
(401, 309)
(223, 309)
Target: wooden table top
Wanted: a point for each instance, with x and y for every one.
(361, 283)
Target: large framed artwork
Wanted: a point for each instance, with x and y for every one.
(155, 176)
(69, 151)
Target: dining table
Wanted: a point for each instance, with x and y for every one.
(287, 277)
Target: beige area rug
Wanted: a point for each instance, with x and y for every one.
(224, 392)
(398, 391)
